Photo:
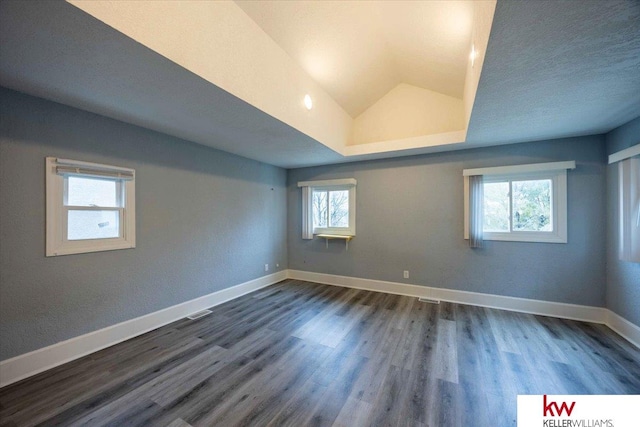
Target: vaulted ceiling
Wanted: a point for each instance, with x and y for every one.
(387, 78)
(358, 51)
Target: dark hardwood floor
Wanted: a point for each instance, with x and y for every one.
(300, 354)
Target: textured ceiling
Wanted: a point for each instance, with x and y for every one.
(552, 69)
(360, 50)
(556, 69)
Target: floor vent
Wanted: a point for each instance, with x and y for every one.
(199, 314)
(430, 301)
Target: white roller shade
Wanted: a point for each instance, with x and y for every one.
(86, 169)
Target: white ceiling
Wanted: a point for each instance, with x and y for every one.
(360, 50)
(551, 69)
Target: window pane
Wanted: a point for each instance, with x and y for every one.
(532, 205)
(320, 209)
(92, 192)
(84, 225)
(339, 208)
(496, 206)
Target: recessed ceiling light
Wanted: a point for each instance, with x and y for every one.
(308, 102)
(473, 55)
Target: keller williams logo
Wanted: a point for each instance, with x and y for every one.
(548, 408)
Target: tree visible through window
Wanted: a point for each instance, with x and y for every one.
(521, 203)
(331, 208)
(518, 206)
(328, 207)
(532, 205)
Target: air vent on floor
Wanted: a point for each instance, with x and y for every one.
(429, 300)
(199, 314)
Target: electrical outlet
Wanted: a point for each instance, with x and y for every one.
(406, 274)
(266, 267)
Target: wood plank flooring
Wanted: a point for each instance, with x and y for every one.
(299, 354)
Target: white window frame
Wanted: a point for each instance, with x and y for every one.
(556, 172)
(334, 185)
(57, 211)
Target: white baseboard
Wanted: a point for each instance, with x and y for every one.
(28, 364)
(584, 313)
(523, 305)
(623, 327)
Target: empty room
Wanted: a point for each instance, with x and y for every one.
(320, 213)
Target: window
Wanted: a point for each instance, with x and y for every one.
(329, 207)
(526, 203)
(90, 207)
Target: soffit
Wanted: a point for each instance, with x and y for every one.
(551, 70)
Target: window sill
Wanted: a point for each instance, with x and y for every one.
(527, 238)
(328, 237)
(87, 246)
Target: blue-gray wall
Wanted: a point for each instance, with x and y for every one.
(206, 220)
(410, 217)
(623, 278)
